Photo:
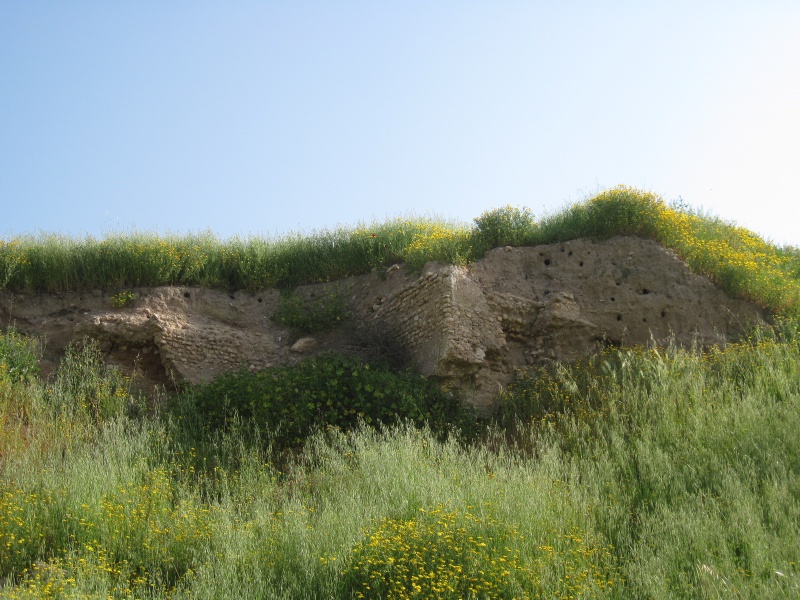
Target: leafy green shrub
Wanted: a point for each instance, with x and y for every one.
(19, 356)
(330, 389)
(313, 314)
(624, 211)
(617, 211)
(507, 226)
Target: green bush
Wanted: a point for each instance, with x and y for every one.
(292, 401)
(507, 226)
(616, 211)
(19, 356)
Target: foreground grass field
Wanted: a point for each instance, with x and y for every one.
(669, 473)
(639, 474)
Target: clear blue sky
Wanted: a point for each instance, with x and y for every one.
(268, 117)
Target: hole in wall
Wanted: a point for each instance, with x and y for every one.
(187, 295)
(143, 362)
(613, 299)
(260, 299)
(580, 264)
(663, 314)
(619, 317)
(645, 291)
(547, 261)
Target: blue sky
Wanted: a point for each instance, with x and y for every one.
(267, 117)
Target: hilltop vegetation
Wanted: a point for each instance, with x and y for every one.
(742, 263)
(637, 473)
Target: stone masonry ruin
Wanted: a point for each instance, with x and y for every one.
(469, 327)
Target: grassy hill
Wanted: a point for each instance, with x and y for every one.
(634, 474)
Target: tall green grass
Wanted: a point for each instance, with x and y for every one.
(638, 474)
(61, 263)
(741, 262)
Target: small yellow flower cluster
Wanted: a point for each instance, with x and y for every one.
(68, 577)
(439, 243)
(122, 299)
(452, 553)
(18, 531)
(436, 555)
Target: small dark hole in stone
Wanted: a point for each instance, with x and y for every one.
(541, 253)
(645, 291)
(580, 264)
(569, 253)
(260, 299)
(232, 297)
(619, 317)
(547, 261)
(619, 283)
(562, 248)
(663, 314)
(645, 320)
(613, 299)
(186, 295)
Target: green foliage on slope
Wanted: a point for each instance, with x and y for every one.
(638, 474)
(741, 262)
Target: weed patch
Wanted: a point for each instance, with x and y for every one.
(312, 315)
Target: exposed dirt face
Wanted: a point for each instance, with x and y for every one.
(472, 328)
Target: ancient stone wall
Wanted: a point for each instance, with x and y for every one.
(472, 328)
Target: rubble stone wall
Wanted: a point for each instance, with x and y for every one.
(470, 327)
